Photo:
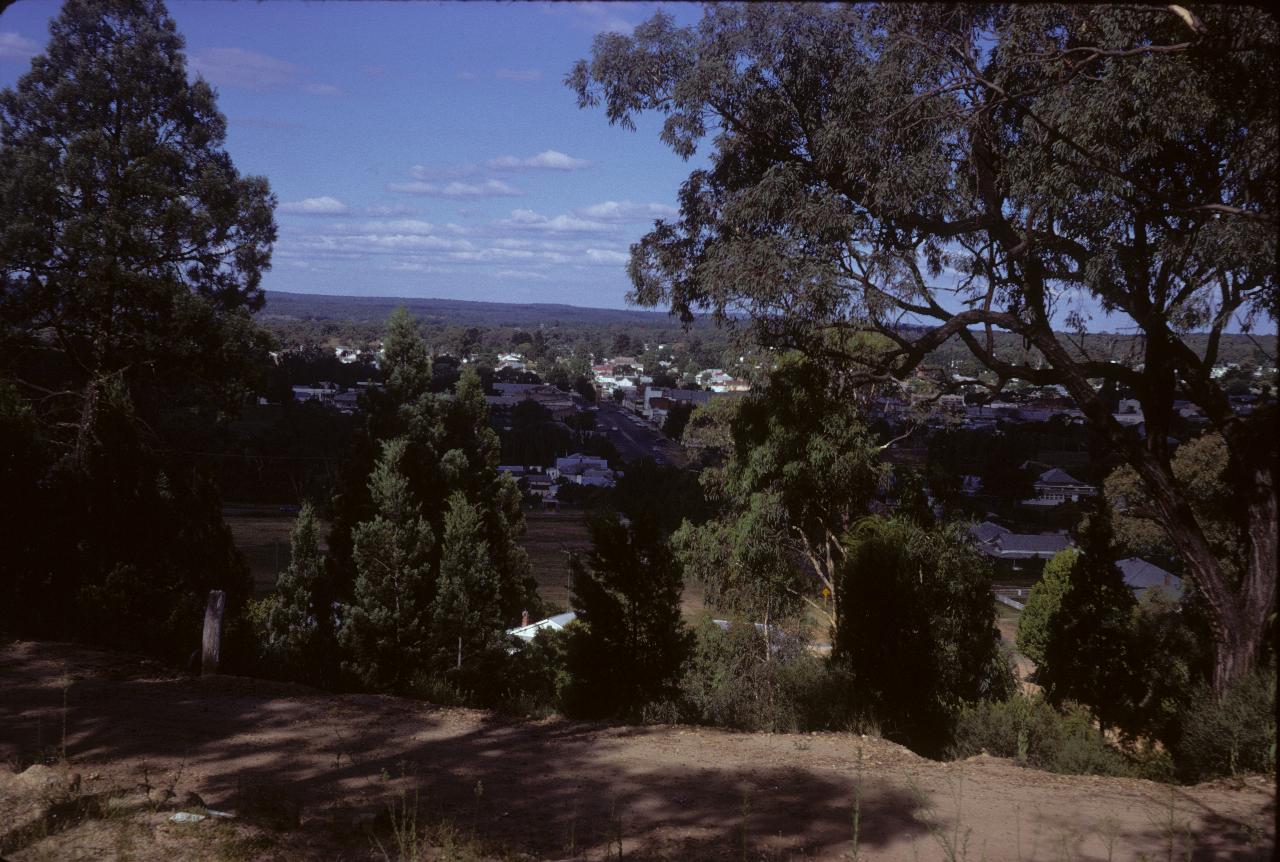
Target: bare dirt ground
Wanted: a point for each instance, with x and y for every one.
(310, 776)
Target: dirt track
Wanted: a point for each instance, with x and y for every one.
(558, 789)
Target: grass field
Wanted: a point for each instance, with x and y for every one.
(550, 537)
(548, 540)
(262, 535)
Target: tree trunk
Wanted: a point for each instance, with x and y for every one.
(213, 611)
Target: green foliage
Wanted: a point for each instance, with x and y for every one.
(406, 362)
(385, 628)
(1231, 735)
(677, 419)
(709, 434)
(1034, 733)
(1172, 651)
(1088, 646)
(663, 495)
(802, 467)
(736, 679)
(628, 644)
(1043, 604)
(292, 620)
(125, 230)
(1039, 151)
(1203, 469)
(466, 616)
(918, 631)
(131, 253)
(450, 450)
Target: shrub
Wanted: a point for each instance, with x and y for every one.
(728, 682)
(628, 644)
(917, 632)
(1030, 731)
(1231, 736)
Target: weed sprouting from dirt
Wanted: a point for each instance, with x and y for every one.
(855, 814)
(1177, 835)
(409, 839)
(953, 842)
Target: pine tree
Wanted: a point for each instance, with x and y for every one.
(386, 627)
(1088, 649)
(406, 360)
(293, 617)
(1044, 602)
(466, 615)
(131, 256)
(628, 644)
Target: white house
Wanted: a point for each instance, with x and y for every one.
(1057, 486)
(527, 630)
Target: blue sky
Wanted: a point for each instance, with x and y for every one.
(430, 149)
(424, 149)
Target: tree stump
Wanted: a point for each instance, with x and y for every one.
(213, 631)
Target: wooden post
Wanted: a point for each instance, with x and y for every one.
(213, 631)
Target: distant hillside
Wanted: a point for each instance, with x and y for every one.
(368, 313)
(375, 309)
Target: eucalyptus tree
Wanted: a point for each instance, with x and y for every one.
(973, 169)
(802, 470)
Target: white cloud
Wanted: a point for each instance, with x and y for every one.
(236, 67)
(595, 17)
(322, 89)
(411, 226)
(14, 46)
(315, 206)
(552, 160)
(486, 189)
(249, 70)
(517, 74)
(523, 274)
(422, 172)
(390, 210)
(524, 219)
(620, 211)
(600, 255)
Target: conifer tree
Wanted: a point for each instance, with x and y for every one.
(1088, 648)
(386, 626)
(406, 359)
(1044, 603)
(293, 616)
(628, 644)
(131, 256)
(466, 615)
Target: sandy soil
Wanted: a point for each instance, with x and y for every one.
(310, 776)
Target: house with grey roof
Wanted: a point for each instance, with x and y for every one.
(1018, 551)
(1140, 576)
(1056, 486)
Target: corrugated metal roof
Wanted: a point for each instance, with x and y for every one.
(1140, 575)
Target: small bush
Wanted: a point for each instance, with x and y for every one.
(731, 681)
(527, 681)
(1233, 736)
(1030, 731)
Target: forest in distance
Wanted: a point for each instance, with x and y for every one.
(325, 320)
